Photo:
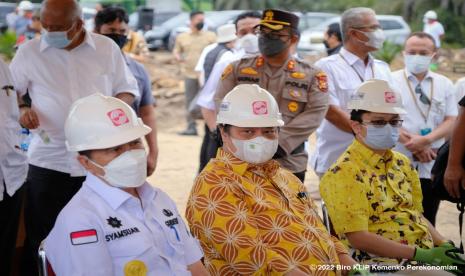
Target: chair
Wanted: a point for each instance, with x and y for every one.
(45, 269)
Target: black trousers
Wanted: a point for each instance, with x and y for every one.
(430, 202)
(47, 192)
(10, 209)
(209, 148)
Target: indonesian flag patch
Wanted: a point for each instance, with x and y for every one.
(83, 237)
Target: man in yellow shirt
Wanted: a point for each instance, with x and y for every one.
(187, 50)
(373, 194)
(251, 216)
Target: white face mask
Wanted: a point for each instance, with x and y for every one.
(129, 170)
(375, 39)
(249, 43)
(417, 64)
(256, 151)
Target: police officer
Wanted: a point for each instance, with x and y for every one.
(299, 88)
(117, 223)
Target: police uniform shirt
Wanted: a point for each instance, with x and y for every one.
(13, 161)
(55, 78)
(106, 231)
(345, 71)
(301, 93)
(443, 104)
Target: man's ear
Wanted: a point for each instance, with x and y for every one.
(355, 127)
(84, 161)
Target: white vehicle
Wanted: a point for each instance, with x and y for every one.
(394, 26)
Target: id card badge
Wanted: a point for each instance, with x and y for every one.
(425, 130)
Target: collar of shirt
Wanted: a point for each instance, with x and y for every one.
(240, 167)
(368, 156)
(87, 40)
(273, 70)
(353, 59)
(414, 79)
(115, 197)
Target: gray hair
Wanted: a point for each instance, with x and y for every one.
(73, 9)
(353, 18)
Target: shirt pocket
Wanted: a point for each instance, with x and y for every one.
(293, 102)
(344, 91)
(438, 111)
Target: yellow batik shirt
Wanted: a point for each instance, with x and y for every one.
(365, 191)
(258, 220)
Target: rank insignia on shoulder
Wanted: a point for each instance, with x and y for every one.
(227, 71)
(84, 237)
(260, 62)
(249, 71)
(291, 65)
(322, 81)
(298, 75)
(293, 107)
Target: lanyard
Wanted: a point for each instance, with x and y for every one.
(425, 116)
(356, 72)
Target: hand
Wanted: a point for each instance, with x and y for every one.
(444, 255)
(417, 143)
(425, 156)
(28, 118)
(454, 177)
(359, 270)
(152, 158)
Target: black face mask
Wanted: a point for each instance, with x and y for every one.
(119, 39)
(270, 47)
(199, 26)
(325, 42)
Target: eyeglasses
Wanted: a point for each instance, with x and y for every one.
(270, 34)
(423, 98)
(382, 123)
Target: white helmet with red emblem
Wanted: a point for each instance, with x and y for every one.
(101, 122)
(376, 96)
(249, 105)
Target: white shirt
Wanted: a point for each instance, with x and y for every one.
(201, 61)
(459, 89)
(55, 78)
(443, 104)
(435, 29)
(343, 82)
(13, 161)
(207, 94)
(103, 228)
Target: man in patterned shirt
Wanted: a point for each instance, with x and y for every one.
(373, 194)
(251, 216)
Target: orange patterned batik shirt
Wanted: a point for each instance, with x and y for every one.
(258, 220)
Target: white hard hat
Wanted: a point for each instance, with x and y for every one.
(248, 105)
(226, 33)
(431, 15)
(377, 96)
(101, 122)
(25, 6)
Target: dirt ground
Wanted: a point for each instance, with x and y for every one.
(179, 155)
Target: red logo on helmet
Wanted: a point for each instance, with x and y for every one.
(390, 97)
(118, 117)
(260, 108)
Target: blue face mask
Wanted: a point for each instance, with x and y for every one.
(57, 39)
(381, 138)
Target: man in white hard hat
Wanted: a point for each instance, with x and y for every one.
(117, 224)
(433, 27)
(251, 215)
(373, 194)
(25, 11)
